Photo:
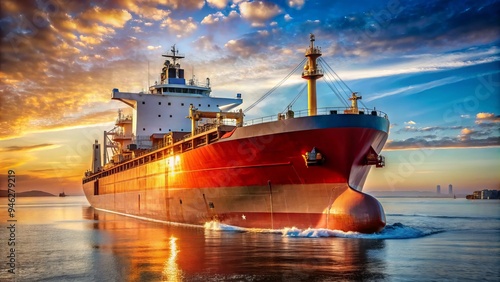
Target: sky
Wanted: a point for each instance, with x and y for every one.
(432, 66)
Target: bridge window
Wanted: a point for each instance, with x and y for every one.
(170, 104)
(170, 115)
(143, 102)
(182, 104)
(159, 115)
(143, 129)
(159, 103)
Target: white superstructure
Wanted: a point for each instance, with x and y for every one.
(163, 109)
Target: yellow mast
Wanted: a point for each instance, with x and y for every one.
(312, 72)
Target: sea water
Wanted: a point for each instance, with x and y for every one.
(63, 239)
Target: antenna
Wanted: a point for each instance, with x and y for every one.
(149, 84)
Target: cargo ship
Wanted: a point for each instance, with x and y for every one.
(185, 156)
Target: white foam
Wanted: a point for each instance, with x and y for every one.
(217, 226)
(395, 231)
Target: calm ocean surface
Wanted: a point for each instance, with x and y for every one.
(63, 239)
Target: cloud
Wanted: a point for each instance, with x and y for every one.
(487, 117)
(147, 10)
(112, 17)
(239, 47)
(466, 133)
(288, 18)
(475, 135)
(153, 47)
(403, 29)
(90, 40)
(28, 148)
(137, 29)
(36, 94)
(251, 44)
(417, 88)
(445, 142)
(206, 43)
(410, 122)
(181, 28)
(297, 4)
(185, 4)
(219, 17)
(410, 128)
(258, 12)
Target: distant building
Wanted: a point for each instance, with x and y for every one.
(484, 195)
(489, 194)
(438, 189)
(450, 189)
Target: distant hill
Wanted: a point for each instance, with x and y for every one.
(33, 193)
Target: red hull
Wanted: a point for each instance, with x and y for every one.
(257, 177)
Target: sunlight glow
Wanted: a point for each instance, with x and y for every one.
(171, 270)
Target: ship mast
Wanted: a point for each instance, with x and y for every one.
(312, 72)
(175, 55)
(172, 69)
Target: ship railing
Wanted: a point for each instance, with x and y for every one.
(315, 50)
(320, 112)
(143, 142)
(122, 135)
(317, 71)
(189, 82)
(200, 129)
(127, 119)
(195, 82)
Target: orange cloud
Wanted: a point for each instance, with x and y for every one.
(27, 148)
(486, 117)
(466, 133)
(113, 17)
(90, 40)
(220, 4)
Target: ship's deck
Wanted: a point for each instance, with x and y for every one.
(320, 112)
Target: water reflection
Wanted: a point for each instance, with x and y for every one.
(149, 251)
(171, 272)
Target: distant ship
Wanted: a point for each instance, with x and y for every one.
(296, 169)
